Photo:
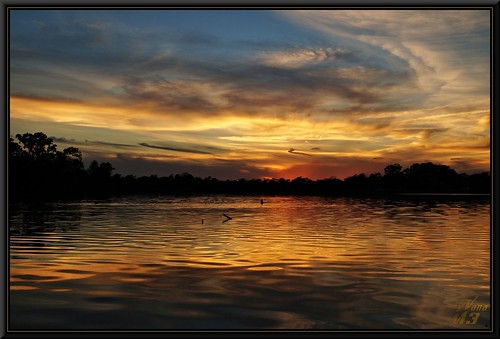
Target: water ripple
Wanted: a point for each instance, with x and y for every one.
(298, 263)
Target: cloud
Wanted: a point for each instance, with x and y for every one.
(109, 144)
(92, 142)
(293, 151)
(446, 49)
(302, 57)
(168, 80)
(423, 133)
(174, 149)
(168, 96)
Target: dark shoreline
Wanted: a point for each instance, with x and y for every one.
(38, 171)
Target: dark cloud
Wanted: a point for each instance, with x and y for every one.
(165, 95)
(128, 156)
(265, 85)
(174, 149)
(64, 140)
(108, 144)
(248, 87)
(293, 151)
(91, 142)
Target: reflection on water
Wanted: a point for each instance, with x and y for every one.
(291, 263)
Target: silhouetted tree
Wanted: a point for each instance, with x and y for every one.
(430, 177)
(394, 179)
(479, 183)
(100, 180)
(102, 170)
(37, 145)
(37, 168)
(15, 150)
(393, 170)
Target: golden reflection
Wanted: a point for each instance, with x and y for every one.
(23, 288)
(295, 233)
(404, 257)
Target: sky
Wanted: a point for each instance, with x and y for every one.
(255, 93)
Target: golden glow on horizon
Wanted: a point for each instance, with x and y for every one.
(268, 148)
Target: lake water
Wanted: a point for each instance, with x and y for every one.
(292, 263)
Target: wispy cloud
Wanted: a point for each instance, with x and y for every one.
(174, 149)
(434, 44)
(302, 57)
(91, 142)
(293, 151)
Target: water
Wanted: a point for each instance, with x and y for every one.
(293, 263)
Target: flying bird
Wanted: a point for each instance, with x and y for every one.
(227, 218)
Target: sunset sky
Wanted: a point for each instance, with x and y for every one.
(256, 93)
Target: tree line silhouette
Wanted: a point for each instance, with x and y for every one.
(37, 170)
